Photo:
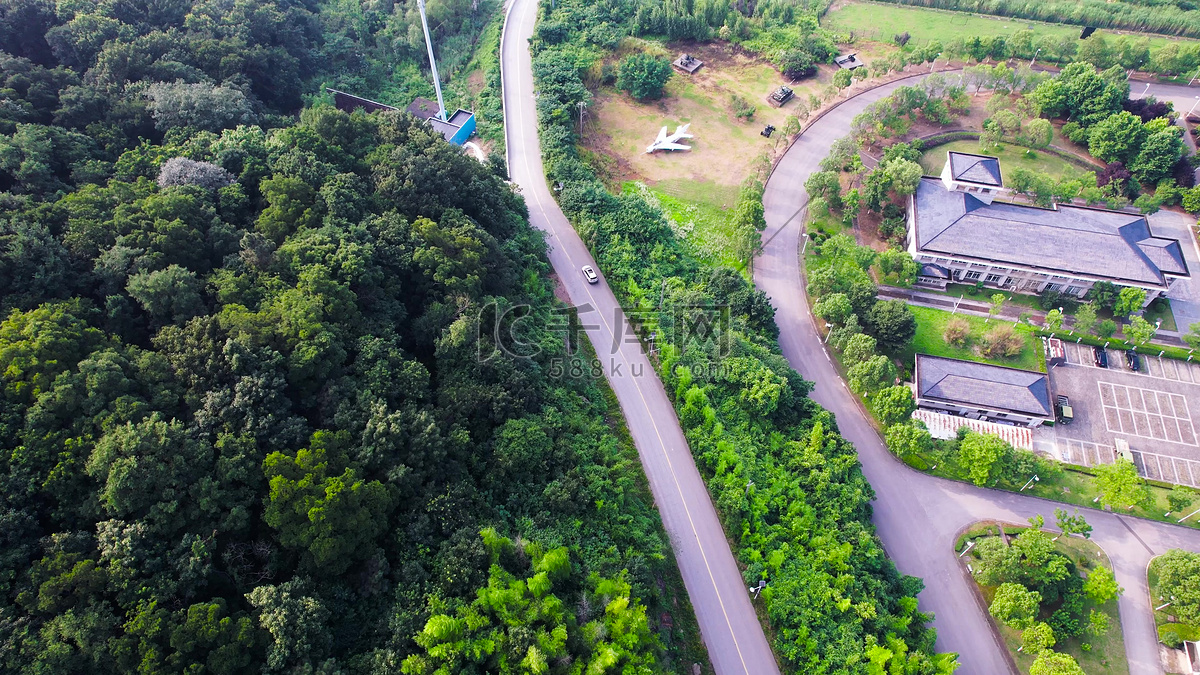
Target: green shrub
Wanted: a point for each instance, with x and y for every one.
(643, 75)
(1182, 631)
(742, 109)
(1171, 638)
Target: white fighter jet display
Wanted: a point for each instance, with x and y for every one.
(665, 142)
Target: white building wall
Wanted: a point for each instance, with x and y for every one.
(980, 413)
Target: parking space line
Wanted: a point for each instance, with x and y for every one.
(1126, 411)
(1188, 477)
(1084, 453)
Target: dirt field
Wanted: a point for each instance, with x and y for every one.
(725, 147)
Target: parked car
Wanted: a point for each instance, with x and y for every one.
(1100, 354)
(1132, 360)
(1063, 411)
(590, 275)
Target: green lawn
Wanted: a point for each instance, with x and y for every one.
(1161, 310)
(699, 218)
(969, 292)
(1011, 157)
(880, 21)
(1106, 653)
(931, 327)
(699, 192)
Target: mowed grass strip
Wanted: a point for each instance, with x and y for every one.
(880, 21)
(699, 192)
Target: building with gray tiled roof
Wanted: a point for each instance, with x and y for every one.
(979, 169)
(957, 231)
(982, 391)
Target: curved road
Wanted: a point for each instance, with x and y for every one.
(918, 516)
(730, 628)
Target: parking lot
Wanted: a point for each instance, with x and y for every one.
(1153, 409)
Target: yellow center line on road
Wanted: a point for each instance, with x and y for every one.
(532, 176)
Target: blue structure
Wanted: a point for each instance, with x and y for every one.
(458, 128)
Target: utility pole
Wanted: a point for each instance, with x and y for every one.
(1039, 51)
(437, 83)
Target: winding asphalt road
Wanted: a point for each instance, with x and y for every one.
(918, 516)
(728, 624)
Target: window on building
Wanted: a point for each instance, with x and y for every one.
(1053, 287)
(994, 278)
(972, 275)
(1074, 290)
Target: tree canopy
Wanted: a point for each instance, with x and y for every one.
(1179, 578)
(1120, 485)
(643, 75)
(254, 416)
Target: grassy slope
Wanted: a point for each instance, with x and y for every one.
(698, 218)
(725, 149)
(881, 21)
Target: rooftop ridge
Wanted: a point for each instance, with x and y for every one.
(985, 385)
(1062, 239)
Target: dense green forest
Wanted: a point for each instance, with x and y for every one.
(255, 415)
(789, 488)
